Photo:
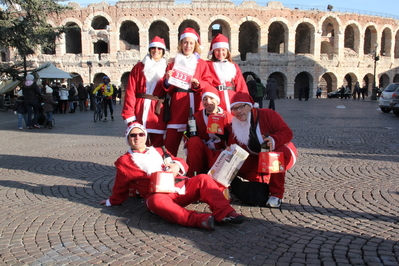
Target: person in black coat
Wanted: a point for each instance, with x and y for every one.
(32, 99)
(271, 92)
(82, 94)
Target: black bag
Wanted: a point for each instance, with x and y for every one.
(251, 193)
(166, 106)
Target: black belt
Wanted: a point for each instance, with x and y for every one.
(183, 90)
(224, 87)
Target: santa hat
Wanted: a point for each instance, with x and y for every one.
(211, 92)
(219, 41)
(241, 98)
(134, 125)
(190, 32)
(49, 89)
(157, 42)
(29, 77)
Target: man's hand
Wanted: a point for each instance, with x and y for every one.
(173, 167)
(103, 202)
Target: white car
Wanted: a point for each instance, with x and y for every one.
(386, 97)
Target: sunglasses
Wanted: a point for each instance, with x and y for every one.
(134, 135)
(236, 108)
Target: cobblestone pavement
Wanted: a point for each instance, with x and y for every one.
(341, 205)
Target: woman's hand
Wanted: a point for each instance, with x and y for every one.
(195, 82)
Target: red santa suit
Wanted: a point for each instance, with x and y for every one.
(144, 98)
(203, 149)
(228, 79)
(272, 124)
(136, 167)
(182, 100)
(227, 76)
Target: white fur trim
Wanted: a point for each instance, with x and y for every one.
(220, 45)
(188, 34)
(157, 44)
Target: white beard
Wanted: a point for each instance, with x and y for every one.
(150, 161)
(241, 129)
(225, 70)
(153, 70)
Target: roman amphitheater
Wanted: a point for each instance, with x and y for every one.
(324, 48)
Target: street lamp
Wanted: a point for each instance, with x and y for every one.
(374, 89)
(89, 64)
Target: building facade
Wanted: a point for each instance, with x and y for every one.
(296, 47)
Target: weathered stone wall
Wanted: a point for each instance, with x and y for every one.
(323, 35)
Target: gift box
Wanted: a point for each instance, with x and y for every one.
(271, 162)
(216, 123)
(162, 182)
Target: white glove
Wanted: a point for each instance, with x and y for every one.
(15, 112)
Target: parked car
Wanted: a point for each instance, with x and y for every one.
(337, 94)
(386, 96)
(394, 104)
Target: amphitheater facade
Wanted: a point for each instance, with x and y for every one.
(296, 47)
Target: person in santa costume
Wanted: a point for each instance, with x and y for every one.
(226, 75)
(141, 161)
(145, 94)
(249, 128)
(203, 149)
(186, 96)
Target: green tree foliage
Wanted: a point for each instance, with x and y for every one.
(24, 27)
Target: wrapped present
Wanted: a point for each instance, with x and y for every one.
(216, 123)
(162, 182)
(271, 162)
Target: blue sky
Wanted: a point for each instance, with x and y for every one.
(366, 6)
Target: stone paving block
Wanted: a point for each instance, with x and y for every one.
(340, 207)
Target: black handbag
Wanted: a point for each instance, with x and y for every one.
(251, 193)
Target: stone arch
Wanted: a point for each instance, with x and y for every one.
(99, 22)
(219, 26)
(329, 31)
(277, 38)
(327, 83)
(367, 82)
(370, 39)
(248, 39)
(73, 39)
(77, 78)
(350, 80)
(161, 29)
(384, 81)
(302, 80)
(304, 38)
(129, 35)
(386, 43)
(72, 20)
(281, 81)
(352, 36)
(88, 21)
(396, 78)
(396, 49)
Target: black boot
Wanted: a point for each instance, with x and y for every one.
(50, 125)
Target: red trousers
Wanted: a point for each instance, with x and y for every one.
(199, 157)
(172, 140)
(201, 187)
(249, 170)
